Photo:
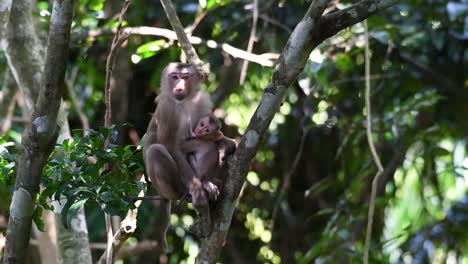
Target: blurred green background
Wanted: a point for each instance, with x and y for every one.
(313, 210)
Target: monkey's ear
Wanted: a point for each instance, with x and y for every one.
(218, 135)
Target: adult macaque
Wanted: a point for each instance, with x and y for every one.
(204, 150)
(180, 105)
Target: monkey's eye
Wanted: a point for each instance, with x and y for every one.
(174, 76)
(202, 124)
(207, 130)
(185, 76)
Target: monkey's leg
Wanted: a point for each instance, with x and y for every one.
(162, 171)
(165, 222)
(201, 228)
(196, 190)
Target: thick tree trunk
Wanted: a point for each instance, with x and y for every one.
(25, 56)
(41, 133)
(8, 95)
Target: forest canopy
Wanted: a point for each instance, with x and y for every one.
(288, 81)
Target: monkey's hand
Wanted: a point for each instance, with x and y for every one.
(212, 190)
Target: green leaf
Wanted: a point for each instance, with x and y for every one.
(37, 218)
(96, 5)
(70, 210)
(344, 62)
(210, 4)
(106, 196)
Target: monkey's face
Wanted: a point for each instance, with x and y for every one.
(204, 128)
(181, 81)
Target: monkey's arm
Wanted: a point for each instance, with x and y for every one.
(228, 144)
(226, 147)
(151, 136)
(190, 145)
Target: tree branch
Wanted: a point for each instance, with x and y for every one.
(310, 32)
(375, 156)
(266, 59)
(182, 37)
(117, 41)
(40, 135)
(292, 61)
(251, 42)
(337, 21)
(127, 228)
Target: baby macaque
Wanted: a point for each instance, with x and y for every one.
(207, 148)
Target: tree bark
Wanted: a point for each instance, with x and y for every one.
(46, 240)
(310, 32)
(8, 96)
(24, 51)
(5, 7)
(41, 133)
(25, 56)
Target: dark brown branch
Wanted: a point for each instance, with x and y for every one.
(117, 41)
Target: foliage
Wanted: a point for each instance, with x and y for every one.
(419, 95)
(77, 173)
(8, 151)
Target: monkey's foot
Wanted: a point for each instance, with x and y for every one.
(200, 230)
(197, 192)
(212, 190)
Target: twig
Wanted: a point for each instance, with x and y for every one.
(182, 37)
(70, 82)
(251, 42)
(117, 41)
(275, 23)
(375, 156)
(195, 23)
(127, 228)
